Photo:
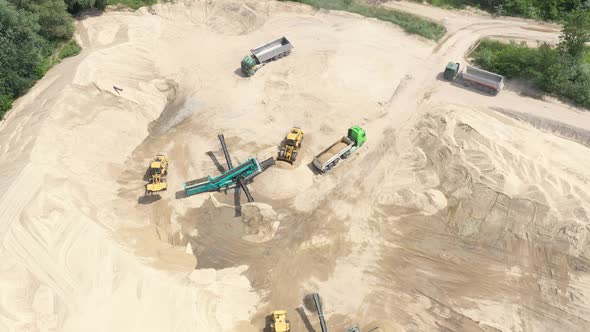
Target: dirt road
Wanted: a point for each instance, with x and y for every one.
(462, 211)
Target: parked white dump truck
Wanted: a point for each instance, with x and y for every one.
(478, 78)
(261, 55)
(341, 149)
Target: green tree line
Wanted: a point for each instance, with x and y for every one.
(552, 10)
(33, 34)
(563, 70)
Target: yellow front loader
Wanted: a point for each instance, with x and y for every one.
(158, 171)
(291, 145)
(280, 323)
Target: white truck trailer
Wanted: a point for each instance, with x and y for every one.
(261, 55)
(478, 78)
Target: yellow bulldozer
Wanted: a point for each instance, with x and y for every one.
(280, 323)
(291, 145)
(158, 171)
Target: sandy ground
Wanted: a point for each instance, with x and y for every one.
(462, 211)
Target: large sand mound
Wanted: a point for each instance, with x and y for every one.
(508, 250)
(448, 217)
(78, 247)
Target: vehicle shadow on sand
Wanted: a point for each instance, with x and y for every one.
(267, 324)
(149, 199)
(313, 169)
(240, 73)
(180, 194)
(305, 320)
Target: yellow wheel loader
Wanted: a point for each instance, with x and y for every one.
(291, 145)
(280, 323)
(158, 171)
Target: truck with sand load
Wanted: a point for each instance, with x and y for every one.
(343, 148)
(261, 55)
(478, 78)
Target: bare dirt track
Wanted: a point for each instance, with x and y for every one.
(462, 211)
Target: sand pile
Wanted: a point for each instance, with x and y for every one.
(500, 178)
(261, 220)
(504, 245)
(60, 208)
(458, 218)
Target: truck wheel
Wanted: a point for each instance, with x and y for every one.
(294, 156)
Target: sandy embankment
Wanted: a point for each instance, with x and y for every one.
(450, 215)
(63, 147)
(66, 147)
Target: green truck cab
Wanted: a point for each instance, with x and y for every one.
(451, 71)
(358, 135)
(249, 65)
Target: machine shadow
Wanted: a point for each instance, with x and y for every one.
(305, 320)
(237, 193)
(267, 324)
(216, 162)
(313, 169)
(180, 194)
(237, 202)
(240, 73)
(149, 199)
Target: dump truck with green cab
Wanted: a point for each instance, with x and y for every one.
(343, 148)
(261, 55)
(479, 79)
(451, 71)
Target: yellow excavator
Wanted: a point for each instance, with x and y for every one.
(158, 171)
(280, 323)
(291, 145)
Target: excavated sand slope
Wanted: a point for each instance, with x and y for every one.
(452, 215)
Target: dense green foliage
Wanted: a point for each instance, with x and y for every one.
(409, 22)
(133, 4)
(545, 67)
(516, 60)
(553, 10)
(21, 54)
(34, 36)
(70, 49)
(575, 33)
(75, 6)
(30, 32)
(563, 70)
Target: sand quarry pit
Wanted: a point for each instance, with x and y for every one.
(461, 212)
